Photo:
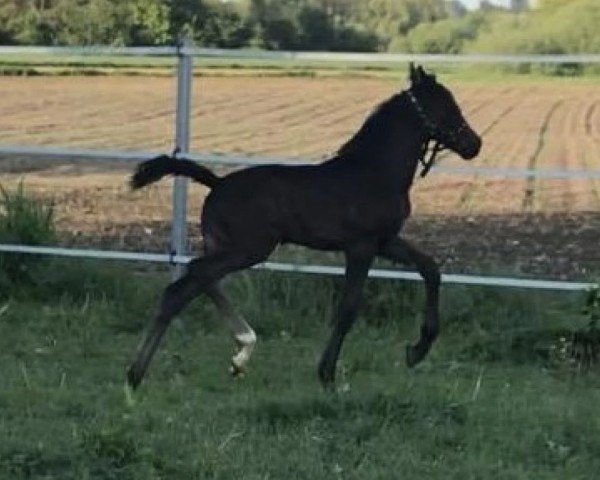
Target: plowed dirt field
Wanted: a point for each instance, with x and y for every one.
(515, 225)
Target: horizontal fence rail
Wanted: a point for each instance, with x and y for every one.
(307, 269)
(391, 57)
(251, 54)
(99, 50)
(74, 154)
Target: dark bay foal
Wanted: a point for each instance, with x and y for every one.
(356, 203)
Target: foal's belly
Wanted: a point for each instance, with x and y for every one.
(323, 217)
(335, 232)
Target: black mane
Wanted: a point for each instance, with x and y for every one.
(372, 134)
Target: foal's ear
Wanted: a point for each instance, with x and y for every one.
(417, 75)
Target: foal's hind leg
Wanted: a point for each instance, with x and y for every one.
(399, 250)
(201, 273)
(242, 333)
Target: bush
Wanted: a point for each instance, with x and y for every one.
(23, 220)
(445, 36)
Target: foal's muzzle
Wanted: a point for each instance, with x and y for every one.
(468, 145)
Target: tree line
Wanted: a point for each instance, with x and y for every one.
(362, 25)
(429, 26)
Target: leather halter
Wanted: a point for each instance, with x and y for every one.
(442, 137)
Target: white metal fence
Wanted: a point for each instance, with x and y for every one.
(178, 255)
(189, 50)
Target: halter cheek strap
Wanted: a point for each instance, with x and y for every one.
(439, 135)
(427, 164)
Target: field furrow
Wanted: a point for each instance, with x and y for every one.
(589, 117)
(561, 151)
(531, 200)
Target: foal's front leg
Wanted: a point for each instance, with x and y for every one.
(358, 262)
(399, 250)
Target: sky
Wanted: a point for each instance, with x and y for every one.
(475, 3)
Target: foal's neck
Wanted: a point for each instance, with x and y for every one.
(389, 142)
(404, 143)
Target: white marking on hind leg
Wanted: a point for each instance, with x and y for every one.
(243, 335)
(245, 343)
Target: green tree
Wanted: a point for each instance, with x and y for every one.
(210, 22)
(149, 23)
(275, 23)
(316, 29)
(90, 22)
(445, 36)
(24, 21)
(308, 24)
(393, 18)
(569, 27)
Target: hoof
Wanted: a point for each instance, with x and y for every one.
(327, 385)
(414, 355)
(129, 398)
(134, 377)
(327, 379)
(236, 371)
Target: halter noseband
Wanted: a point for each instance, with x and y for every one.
(442, 137)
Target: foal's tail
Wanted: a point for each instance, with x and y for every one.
(156, 168)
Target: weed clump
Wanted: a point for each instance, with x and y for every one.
(581, 350)
(24, 220)
(586, 343)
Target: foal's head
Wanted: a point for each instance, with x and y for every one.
(441, 116)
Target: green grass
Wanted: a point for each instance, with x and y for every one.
(499, 396)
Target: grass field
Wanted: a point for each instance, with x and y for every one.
(500, 397)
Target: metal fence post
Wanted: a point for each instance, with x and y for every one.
(182, 145)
